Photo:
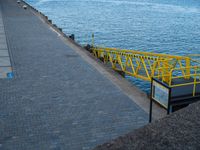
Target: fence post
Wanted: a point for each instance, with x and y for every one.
(187, 65)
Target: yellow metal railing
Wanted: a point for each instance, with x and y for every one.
(193, 78)
(145, 65)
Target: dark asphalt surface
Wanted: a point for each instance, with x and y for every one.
(56, 101)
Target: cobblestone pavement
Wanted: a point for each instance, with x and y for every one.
(56, 100)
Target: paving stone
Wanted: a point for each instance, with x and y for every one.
(5, 61)
(3, 46)
(4, 53)
(3, 41)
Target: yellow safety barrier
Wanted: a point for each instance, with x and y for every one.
(143, 65)
(146, 65)
(193, 78)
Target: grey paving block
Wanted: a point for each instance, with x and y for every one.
(5, 61)
(3, 41)
(2, 30)
(4, 53)
(3, 46)
(2, 36)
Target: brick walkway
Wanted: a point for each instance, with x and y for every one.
(56, 100)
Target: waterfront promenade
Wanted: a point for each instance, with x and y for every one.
(56, 100)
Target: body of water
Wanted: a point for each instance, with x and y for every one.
(171, 26)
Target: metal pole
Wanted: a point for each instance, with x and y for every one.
(150, 110)
(151, 102)
(169, 101)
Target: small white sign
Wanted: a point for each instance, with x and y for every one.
(160, 94)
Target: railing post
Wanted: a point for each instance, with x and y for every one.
(195, 82)
(170, 77)
(187, 65)
(166, 72)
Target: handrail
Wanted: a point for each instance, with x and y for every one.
(195, 78)
(146, 65)
(142, 53)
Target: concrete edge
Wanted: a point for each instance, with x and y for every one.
(134, 93)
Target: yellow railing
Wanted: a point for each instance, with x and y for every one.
(193, 78)
(145, 65)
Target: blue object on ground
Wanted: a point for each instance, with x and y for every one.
(10, 75)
